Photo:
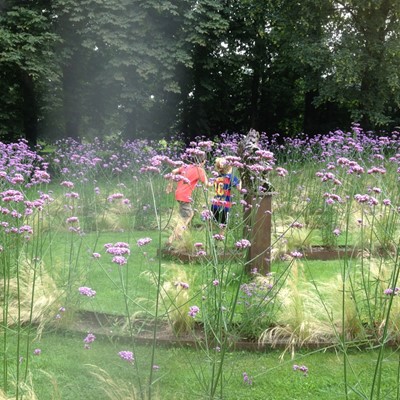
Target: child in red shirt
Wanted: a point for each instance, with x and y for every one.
(191, 174)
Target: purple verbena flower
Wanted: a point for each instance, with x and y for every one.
(219, 237)
(206, 215)
(296, 254)
(90, 338)
(390, 291)
(301, 368)
(242, 244)
(246, 379)
(86, 291)
(118, 251)
(184, 285)
(120, 260)
(193, 310)
(143, 241)
(127, 356)
(67, 184)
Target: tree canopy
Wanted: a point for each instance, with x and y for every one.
(153, 68)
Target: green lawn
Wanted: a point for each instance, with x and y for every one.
(64, 369)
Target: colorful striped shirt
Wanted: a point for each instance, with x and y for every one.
(223, 185)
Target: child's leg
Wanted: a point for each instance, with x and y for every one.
(223, 222)
(186, 214)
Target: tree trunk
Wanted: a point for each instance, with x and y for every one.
(311, 121)
(71, 101)
(29, 108)
(259, 55)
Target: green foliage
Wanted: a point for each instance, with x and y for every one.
(28, 68)
(367, 36)
(95, 67)
(26, 42)
(257, 308)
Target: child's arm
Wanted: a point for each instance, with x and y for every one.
(238, 184)
(171, 184)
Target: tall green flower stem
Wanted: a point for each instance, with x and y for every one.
(218, 315)
(35, 262)
(124, 289)
(376, 382)
(11, 257)
(158, 288)
(6, 259)
(344, 279)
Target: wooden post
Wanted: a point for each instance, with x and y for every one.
(259, 254)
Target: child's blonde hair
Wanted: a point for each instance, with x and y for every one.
(222, 166)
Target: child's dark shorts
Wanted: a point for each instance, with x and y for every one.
(220, 215)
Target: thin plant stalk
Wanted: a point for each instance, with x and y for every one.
(159, 268)
(376, 382)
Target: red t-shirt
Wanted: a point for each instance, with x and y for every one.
(184, 189)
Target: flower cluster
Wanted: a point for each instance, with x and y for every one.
(281, 171)
(219, 237)
(61, 310)
(365, 198)
(119, 260)
(127, 356)
(150, 168)
(67, 184)
(119, 250)
(90, 338)
(246, 379)
(301, 368)
(86, 291)
(182, 285)
(143, 241)
(242, 244)
(337, 232)
(206, 215)
(332, 198)
(19, 164)
(390, 291)
(72, 220)
(297, 225)
(117, 196)
(193, 310)
(177, 178)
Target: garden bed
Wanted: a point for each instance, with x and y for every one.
(116, 327)
(312, 253)
(191, 257)
(325, 253)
